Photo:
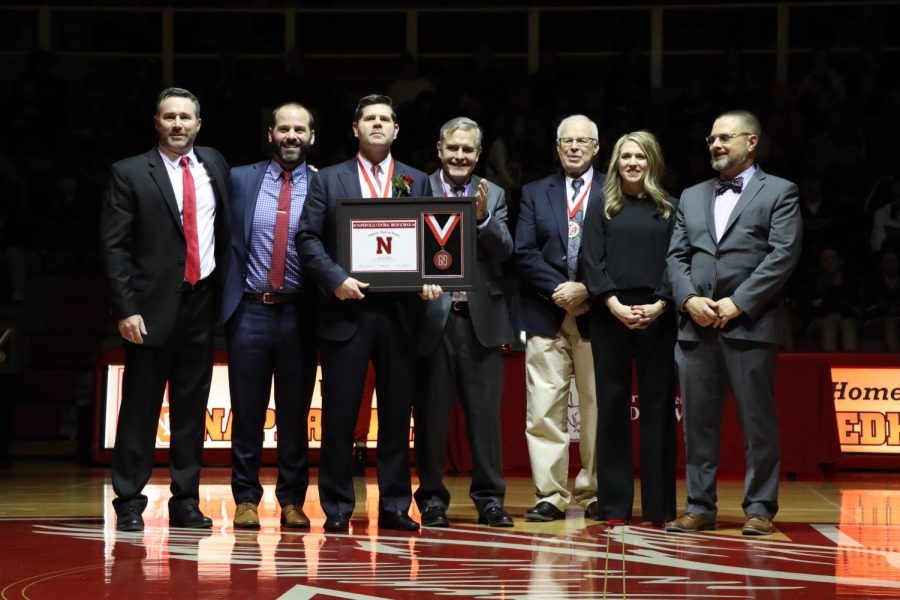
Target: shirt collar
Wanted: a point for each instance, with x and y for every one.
(585, 177)
(276, 170)
(176, 163)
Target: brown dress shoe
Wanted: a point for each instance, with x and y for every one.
(246, 516)
(292, 515)
(691, 523)
(758, 525)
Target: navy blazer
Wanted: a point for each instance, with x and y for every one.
(143, 239)
(243, 186)
(317, 245)
(542, 239)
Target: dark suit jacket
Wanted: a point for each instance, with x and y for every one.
(243, 187)
(317, 245)
(487, 305)
(751, 263)
(144, 241)
(542, 238)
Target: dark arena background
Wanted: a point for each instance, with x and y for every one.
(78, 83)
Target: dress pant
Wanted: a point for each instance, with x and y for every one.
(379, 337)
(707, 371)
(460, 366)
(652, 351)
(266, 341)
(549, 362)
(184, 361)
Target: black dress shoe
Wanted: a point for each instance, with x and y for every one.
(593, 511)
(435, 516)
(544, 511)
(189, 516)
(494, 516)
(399, 520)
(130, 519)
(338, 522)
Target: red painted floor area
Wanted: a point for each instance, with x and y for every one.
(85, 558)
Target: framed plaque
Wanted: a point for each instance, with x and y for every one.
(399, 244)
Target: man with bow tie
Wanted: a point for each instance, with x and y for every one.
(736, 241)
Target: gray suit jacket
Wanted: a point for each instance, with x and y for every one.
(487, 305)
(750, 264)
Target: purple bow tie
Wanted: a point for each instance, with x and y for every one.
(723, 185)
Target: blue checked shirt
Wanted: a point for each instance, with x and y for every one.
(262, 231)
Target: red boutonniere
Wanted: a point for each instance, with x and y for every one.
(402, 185)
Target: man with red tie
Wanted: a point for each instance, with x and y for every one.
(164, 231)
(356, 325)
(269, 317)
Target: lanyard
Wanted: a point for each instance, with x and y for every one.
(384, 191)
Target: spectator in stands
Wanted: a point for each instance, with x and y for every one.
(883, 300)
(886, 220)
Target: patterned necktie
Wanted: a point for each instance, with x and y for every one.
(574, 240)
(723, 185)
(189, 224)
(459, 191)
(279, 246)
(376, 171)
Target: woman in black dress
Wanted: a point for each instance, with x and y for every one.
(624, 259)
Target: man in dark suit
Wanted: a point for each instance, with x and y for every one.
(354, 327)
(459, 343)
(552, 311)
(164, 230)
(736, 241)
(269, 316)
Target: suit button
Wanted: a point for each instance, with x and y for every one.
(564, 257)
(709, 286)
(180, 261)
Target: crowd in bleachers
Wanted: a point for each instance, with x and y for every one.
(835, 132)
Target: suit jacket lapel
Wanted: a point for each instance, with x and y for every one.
(595, 200)
(709, 202)
(556, 195)
(750, 190)
(252, 184)
(161, 177)
(349, 180)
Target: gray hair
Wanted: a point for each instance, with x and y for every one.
(595, 133)
(464, 123)
(751, 123)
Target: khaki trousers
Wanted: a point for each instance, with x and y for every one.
(549, 362)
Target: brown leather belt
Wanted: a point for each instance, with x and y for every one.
(269, 298)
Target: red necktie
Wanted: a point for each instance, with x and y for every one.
(189, 223)
(279, 247)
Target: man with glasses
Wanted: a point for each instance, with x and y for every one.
(553, 312)
(736, 241)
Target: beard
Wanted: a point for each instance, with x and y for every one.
(292, 154)
(725, 162)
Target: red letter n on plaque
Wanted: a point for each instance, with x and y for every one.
(384, 245)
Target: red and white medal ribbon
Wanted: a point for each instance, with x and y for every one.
(385, 190)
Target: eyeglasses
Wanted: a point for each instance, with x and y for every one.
(582, 142)
(723, 137)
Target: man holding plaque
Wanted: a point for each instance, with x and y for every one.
(460, 341)
(355, 326)
(553, 308)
